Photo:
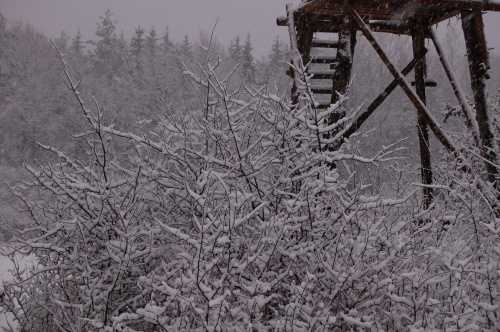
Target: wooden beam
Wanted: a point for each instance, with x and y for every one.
(418, 42)
(325, 43)
(485, 5)
(457, 89)
(323, 59)
(422, 109)
(381, 97)
(281, 21)
(477, 54)
(377, 7)
(419, 105)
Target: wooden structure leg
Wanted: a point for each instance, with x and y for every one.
(457, 89)
(419, 105)
(418, 41)
(477, 54)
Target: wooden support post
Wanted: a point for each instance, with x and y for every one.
(418, 41)
(419, 105)
(477, 54)
(457, 89)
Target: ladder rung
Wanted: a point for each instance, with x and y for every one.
(323, 59)
(323, 104)
(321, 74)
(325, 43)
(322, 89)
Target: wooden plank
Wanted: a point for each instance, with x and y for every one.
(333, 6)
(322, 89)
(462, 100)
(419, 105)
(433, 10)
(418, 42)
(472, 25)
(390, 26)
(325, 43)
(321, 74)
(322, 59)
(281, 21)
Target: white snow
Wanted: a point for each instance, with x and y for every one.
(5, 266)
(5, 274)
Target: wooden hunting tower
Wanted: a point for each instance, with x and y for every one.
(416, 18)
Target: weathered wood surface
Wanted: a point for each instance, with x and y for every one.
(389, 16)
(477, 54)
(418, 42)
(405, 86)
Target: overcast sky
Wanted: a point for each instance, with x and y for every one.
(183, 17)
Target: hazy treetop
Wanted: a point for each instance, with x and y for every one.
(184, 17)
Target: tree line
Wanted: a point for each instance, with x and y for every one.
(139, 74)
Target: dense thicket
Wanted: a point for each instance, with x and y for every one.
(133, 80)
(192, 201)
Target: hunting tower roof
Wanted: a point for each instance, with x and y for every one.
(393, 16)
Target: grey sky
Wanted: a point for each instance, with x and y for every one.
(184, 17)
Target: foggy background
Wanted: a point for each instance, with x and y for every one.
(183, 17)
(102, 194)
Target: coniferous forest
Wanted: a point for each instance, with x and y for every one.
(172, 185)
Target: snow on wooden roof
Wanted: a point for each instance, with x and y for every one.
(386, 15)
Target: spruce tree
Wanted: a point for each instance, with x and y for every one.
(77, 44)
(166, 43)
(108, 58)
(247, 61)
(235, 49)
(185, 48)
(105, 30)
(122, 43)
(152, 40)
(277, 53)
(3, 26)
(62, 41)
(137, 42)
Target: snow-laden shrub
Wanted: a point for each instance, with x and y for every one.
(238, 220)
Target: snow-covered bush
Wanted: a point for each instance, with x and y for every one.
(238, 220)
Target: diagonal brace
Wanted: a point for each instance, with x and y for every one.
(466, 109)
(416, 101)
(381, 97)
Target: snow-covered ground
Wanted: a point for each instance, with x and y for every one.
(5, 274)
(5, 266)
